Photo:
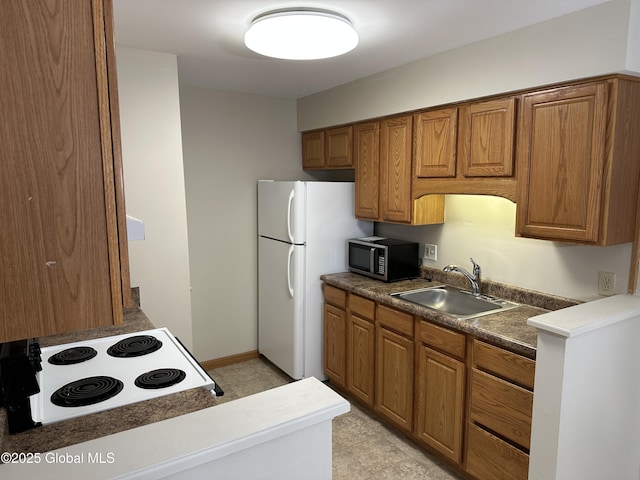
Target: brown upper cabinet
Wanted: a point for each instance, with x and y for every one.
(328, 149)
(367, 161)
(64, 262)
(486, 138)
(567, 154)
(383, 161)
(435, 143)
(466, 149)
(578, 162)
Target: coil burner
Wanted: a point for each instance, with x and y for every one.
(87, 391)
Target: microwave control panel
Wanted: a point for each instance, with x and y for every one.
(381, 264)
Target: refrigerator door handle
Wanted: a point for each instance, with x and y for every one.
(289, 270)
(291, 195)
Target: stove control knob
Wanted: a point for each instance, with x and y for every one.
(35, 355)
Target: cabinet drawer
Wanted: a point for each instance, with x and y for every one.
(507, 365)
(490, 457)
(395, 320)
(502, 407)
(335, 296)
(443, 339)
(361, 306)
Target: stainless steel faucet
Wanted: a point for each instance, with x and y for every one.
(474, 279)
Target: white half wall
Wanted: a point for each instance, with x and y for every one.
(585, 421)
(154, 186)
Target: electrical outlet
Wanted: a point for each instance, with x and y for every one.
(430, 251)
(606, 283)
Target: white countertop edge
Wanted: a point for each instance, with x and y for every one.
(588, 316)
(197, 437)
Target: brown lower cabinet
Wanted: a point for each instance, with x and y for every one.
(440, 389)
(360, 356)
(394, 378)
(463, 399)
(500, 406)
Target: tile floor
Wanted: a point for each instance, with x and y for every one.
(363, 448)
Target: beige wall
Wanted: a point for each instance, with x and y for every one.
(230, 141)
(154, 186)
(585, 43)
(483, 228)
(593, 41)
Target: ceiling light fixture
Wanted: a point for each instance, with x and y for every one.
(301, 34)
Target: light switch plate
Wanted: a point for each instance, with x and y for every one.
(430, 251)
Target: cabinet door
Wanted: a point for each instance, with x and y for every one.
(560, 154)
(395, 169)
(339, 147)
(335, 320)
(361, 358)
(313, 150)
(435, 143)
(486, 138)
(60, 253)
(394, 378)
(440, 402)
(367, 164)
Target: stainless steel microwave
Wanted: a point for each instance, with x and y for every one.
(383, 258)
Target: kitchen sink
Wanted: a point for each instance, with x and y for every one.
(455, 302)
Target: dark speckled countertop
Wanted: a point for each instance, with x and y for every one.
(507, 329)
(89, 427)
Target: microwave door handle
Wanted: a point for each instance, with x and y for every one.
(372, 260)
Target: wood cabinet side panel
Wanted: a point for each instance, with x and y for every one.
(55, 254)
(118, 169)
(109, 173)
(622, 167)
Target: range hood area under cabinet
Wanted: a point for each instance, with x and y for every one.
(567, 154)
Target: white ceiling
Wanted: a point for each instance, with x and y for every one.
(207, 37)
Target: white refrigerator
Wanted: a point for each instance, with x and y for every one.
(302, 233)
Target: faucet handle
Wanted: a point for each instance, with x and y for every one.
(476, 267)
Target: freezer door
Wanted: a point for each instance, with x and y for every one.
(281, 210)
(280, 305)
